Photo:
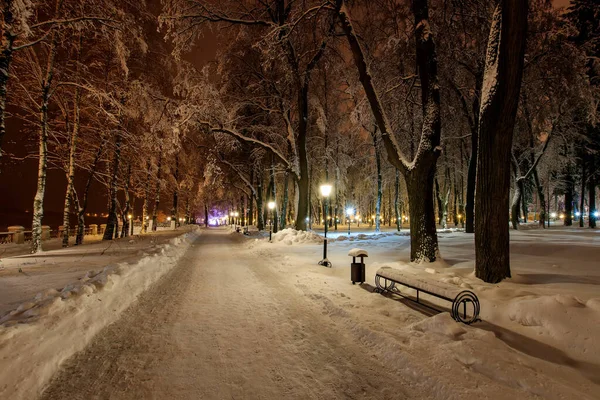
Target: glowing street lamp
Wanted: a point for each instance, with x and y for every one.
(271, 206)
(349, 213)
(325, 192)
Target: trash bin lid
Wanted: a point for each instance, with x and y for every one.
(358, 253)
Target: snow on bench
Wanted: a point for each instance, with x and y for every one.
(457, 296)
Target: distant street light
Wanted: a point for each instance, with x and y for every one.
(349, 213)
(130, 218)
(271, 206)
(325, 192)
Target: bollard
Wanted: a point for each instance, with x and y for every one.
(45, 232)
(93, 229)
(173, 224)
(102, 229)
(18, 234)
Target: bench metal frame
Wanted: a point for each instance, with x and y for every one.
(462, 298)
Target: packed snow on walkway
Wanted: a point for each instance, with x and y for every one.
(250, 311)
(540, 330)
(38, 335)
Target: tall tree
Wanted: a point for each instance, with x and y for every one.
(500, 98)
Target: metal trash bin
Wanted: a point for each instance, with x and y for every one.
(357, 269)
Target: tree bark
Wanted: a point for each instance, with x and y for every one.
(541, 198)
(259, 203)
(38, 202)
(500, 97)
(396, 201)
(251, 200)
(422, 217)
(273, 197)
(516, 202)
(284, 204)
(71, 168)
(125, 211)
(569, 189)
(174, 213)
(592, 201)
(582, 197)
(146, 206)
(379, 185)
(82, 207)
(157, 192)
(112, 222)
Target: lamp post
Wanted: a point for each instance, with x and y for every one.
(349, 213)
(325, 192)
(271, 206)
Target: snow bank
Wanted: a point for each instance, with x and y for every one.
(291, 236)
(566, 320)
(40, 334)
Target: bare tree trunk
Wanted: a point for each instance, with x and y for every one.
(146, 206)
(440, 203)
(71, 169)
(583, 181)
(174, 213)
(282, 223)
(273, 197)
(206, 215)
(422, 217)
(303, 181)
(125, 211)
(569, 189)
(259, 203)
(379, 185)
(38, 202)
(516, 201)
(157, 192)
(82, 207)
(112, 222)
(446, 200)
(251, 200)
(592, 200)
(500, 97)
(396, 201)
(541, 197)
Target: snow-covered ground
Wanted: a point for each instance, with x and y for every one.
(548, 314)
(239, 317)
(43, 331)
(24, 275)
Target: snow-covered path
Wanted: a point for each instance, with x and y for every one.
(227, 323)
(220, 325)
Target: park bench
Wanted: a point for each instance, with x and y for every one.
(465, 304)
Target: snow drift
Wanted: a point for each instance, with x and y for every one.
(40, 334)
